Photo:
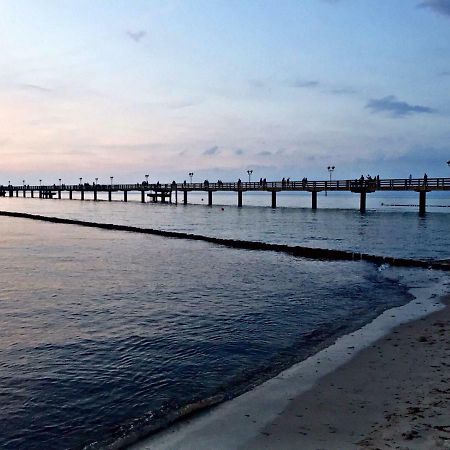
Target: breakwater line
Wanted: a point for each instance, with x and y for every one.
(295, 250)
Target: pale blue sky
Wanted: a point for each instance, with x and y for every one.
(124, 88)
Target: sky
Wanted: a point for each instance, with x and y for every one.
(92, 88)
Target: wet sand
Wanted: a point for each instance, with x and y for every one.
(394, 394)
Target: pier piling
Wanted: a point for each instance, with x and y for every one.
(210, 195)
(125, 196)
(239, 199)
(362, 201)
(422, 202)
(314, 199)
(184, 197)
(274, 199)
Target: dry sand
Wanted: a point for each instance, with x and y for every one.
(393, 395)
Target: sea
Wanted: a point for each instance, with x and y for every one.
(107, 336)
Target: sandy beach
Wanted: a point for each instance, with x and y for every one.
(392, 392)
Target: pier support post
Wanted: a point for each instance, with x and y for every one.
(239, 199)
(70, 195)
(17, 192)
(59, 194)
(125, 196)
(176, 196)
(274, 199)
(362, 202)
(142, 196)
(210, 198)
(11, 193)
(184, 197)
(422, 202)
(109, 195)
(24, 193)
(314, 199)
(32, 194)
(82, 194)
(95, 194)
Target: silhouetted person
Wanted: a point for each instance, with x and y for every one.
(425, 178)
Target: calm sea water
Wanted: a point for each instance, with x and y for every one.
(103, 333)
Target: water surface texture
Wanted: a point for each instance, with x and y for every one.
(104, 334)
(398, 232)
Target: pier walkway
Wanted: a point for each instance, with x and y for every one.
(170, 192)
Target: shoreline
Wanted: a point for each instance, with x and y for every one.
(244, 421)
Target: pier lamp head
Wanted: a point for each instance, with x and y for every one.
(448, 162)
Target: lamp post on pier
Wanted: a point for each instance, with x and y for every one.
(448, 163)
(81, 179)
(191, 174)
(146, 179)
(96, 181)
(111, 178)
(60, 183)
(40, 183)
(249, 175)
(330, 171)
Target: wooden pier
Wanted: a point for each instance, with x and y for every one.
(169, 192)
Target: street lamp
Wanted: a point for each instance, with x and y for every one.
(146, 179)
(23, 181)
(40, 183)
(9, 183)
(111, 180)
(448, 163)
(191, 174)
(249, 174)
(96, 181)
(330, 171)
(81, 179)
(60, 184)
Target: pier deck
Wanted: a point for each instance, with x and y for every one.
(166, 192)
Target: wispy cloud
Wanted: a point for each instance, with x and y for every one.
(396, 108)
(136, 36)
(264, 153)
(445, 73)
(343, 91)
(212, 151)
(438, 6)
(239, 152)
(35, 87)
(304, 84)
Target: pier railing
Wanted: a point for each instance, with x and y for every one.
(390, 184)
